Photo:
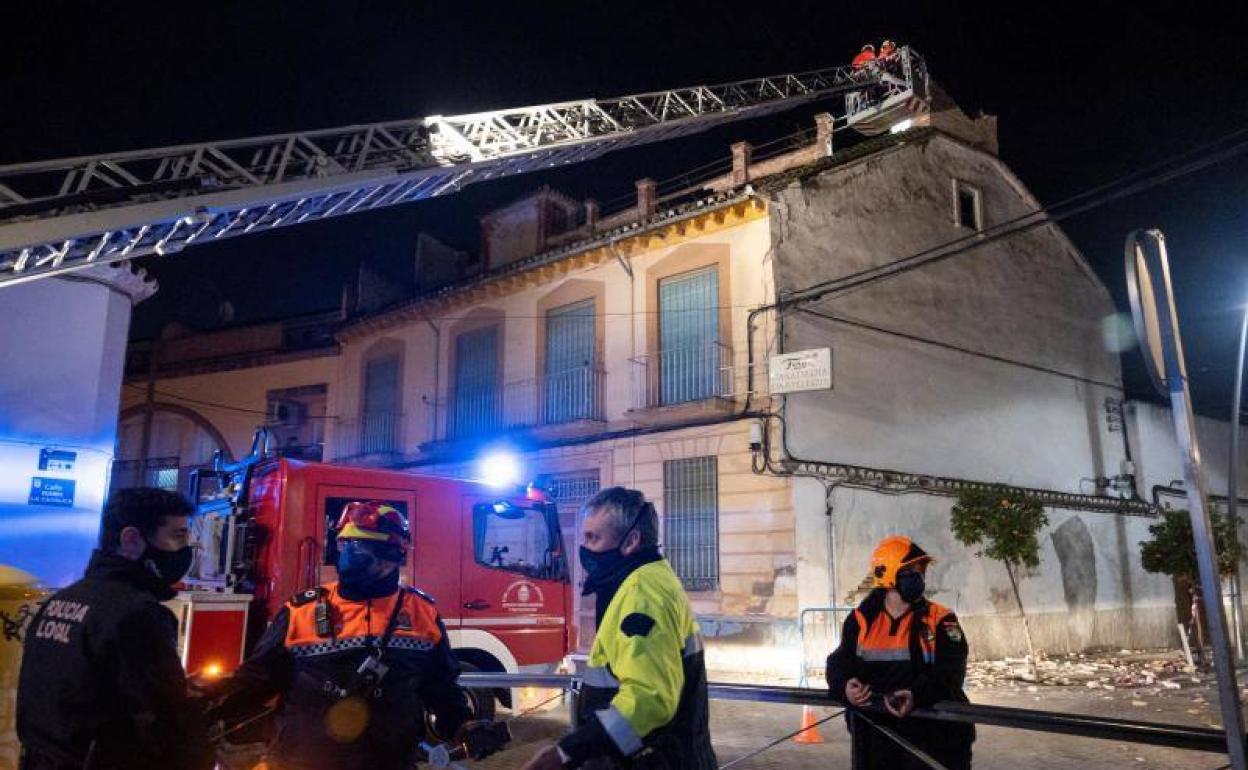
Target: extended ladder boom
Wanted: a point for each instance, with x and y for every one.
(62, 215)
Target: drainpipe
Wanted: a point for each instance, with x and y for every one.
(829, 488)
(437, 370)
(632, 344)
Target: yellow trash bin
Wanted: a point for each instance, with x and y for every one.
(19, 597)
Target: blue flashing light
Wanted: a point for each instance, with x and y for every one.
(499, 469)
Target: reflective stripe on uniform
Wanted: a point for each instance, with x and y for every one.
(896, 653)
(599, 676)
(355, 643)
(693, 645)
(622, 733)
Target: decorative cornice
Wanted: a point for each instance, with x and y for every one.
(665, 229)
(134, 283)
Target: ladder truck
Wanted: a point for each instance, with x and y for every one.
(62, 215)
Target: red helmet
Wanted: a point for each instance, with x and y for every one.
(372, 520)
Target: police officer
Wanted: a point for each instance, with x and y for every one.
(898, 651)
(356, 663)
(643, 698)
(101, 684)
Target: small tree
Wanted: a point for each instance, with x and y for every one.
(1005, 524)
(1172, 551)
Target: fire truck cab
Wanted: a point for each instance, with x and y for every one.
(493, 561)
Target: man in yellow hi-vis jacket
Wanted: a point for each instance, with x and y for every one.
(643, 698)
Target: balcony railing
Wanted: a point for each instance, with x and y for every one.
(551, 399)
(378, 433)
(683, 375)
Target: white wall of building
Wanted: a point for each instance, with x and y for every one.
(64, 350)
(1014, 394)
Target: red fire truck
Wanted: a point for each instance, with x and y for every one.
(493, 561)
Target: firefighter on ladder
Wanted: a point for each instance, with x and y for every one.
(643, 698)
(899, 650)
(357, 663)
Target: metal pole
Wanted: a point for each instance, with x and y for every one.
(1232, 475)
(1202, 531)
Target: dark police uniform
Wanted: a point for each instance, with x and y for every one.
(644, 699)
(923, 651)
(101, 685)
(310, 655)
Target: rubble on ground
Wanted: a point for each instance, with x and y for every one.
(1141, 672)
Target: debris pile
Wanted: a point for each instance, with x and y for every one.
(1141, 672)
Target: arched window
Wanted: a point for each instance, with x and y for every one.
(180, 441)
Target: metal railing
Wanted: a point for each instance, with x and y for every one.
(1083, 725)
(161, 472)
(885, 78)
(378, 433)
(549, 399)
(682, 375)
(555, 398)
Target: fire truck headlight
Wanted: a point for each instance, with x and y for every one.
(499, 469)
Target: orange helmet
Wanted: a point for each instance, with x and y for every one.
(891, 555)
(372, 520)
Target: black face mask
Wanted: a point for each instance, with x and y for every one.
(910, 585)
(169, 566)
(356, 565)
(599, 563)
(359, 570)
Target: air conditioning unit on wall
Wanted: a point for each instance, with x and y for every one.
(287, 413)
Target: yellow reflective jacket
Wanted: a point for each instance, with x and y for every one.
(644, 694)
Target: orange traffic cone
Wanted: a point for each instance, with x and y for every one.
(809, 733)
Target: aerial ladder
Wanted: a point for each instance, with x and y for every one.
(62, 215)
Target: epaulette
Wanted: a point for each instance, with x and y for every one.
(310, 595)
(422, 594)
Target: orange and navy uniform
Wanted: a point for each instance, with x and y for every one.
(923, 651)
(311, 663)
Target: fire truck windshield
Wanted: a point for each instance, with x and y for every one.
(522, 539)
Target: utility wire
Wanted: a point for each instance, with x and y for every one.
(1116, 189)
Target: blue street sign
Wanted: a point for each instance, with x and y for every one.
(44, 491)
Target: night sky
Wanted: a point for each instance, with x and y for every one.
(1085, 93)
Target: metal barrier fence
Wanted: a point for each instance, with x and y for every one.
(1083, 725)
(818, 629)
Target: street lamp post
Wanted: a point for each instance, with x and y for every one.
(1232, 474)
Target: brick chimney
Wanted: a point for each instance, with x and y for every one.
(823, 135)
(646, 189)
(741, 154)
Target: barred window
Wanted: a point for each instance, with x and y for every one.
(691, 521)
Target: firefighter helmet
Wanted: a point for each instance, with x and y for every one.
(372, 520)
(890, 556)
(887, 44)
(868, 47)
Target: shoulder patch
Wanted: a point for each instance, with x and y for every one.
(637, 624)
(952, 630)
(422, 594)
(303, 597)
